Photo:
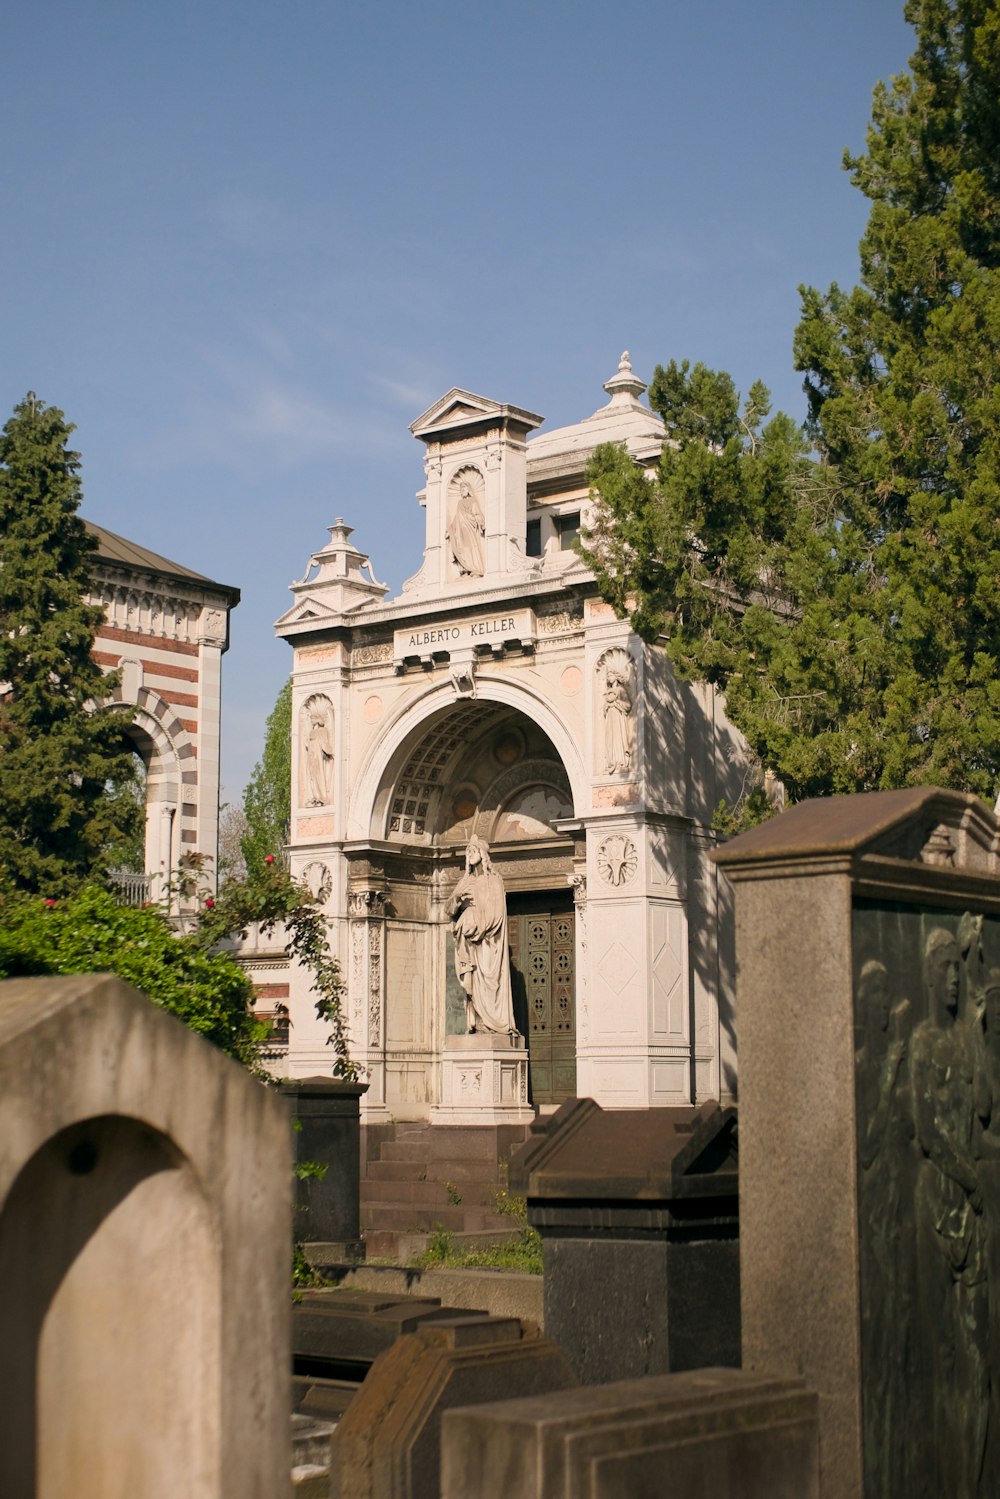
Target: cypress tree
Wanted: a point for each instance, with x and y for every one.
(60, 753)
(848, 602)
(267, 801)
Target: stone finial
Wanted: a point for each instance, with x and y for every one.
(624, 387)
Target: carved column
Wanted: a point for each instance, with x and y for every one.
(366, 989)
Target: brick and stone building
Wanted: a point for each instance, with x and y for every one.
(167, 628)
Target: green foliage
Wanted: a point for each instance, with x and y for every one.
(58, 758)
(270, 897)
(523, 1254)
(267, 801)
(304, 1276)
(89, 932)
(849, 607)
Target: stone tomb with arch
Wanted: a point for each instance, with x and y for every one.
(499, 695)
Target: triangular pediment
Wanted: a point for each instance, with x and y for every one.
(457, 406)
(306, 609)
(461, 408)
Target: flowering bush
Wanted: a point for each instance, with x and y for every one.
(91, 933)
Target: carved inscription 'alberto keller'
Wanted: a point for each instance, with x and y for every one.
(452, 635)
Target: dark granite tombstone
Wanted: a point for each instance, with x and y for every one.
(327, 1130)
(868, 950)
(637, 1210)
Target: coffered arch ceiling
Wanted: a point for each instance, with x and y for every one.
(473, 767)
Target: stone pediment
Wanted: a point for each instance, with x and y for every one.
(922, 825)
(651, 1155)
(306, 609)
(463, 408)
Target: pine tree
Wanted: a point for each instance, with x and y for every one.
(849, 605)
(267, 800)
(59, 751)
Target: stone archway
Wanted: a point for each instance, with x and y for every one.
(473, 765)
(163, 745)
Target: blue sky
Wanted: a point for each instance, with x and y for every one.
(244, 245)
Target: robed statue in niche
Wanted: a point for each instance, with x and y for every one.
(619, 711)
(467, 526)
(317, 752)
(482, 959)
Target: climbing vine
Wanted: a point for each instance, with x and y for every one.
(270, 897)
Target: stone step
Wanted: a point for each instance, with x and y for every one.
(409, 1216)
(443, 1170)
(403, 1248)
(413, 1217)
(451, 1142)
(428, 1193)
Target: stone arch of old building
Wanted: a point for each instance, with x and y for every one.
(437, 713)
(165, 747)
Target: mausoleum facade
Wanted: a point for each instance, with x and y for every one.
(499, 696)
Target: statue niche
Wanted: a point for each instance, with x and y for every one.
(316, 755)
(618, 698)
(467, 522)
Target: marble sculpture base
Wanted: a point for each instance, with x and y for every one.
(484, 1080)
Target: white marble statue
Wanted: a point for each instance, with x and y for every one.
(482, 959)
(468, 527)
(619, 719)
(318, 752)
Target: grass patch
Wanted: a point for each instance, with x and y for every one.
(522, 1253)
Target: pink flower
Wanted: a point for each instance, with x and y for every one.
(268, 858)
(49, 901)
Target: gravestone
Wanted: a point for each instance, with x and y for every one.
(327, 1132)
(714, 1434)
(388, 1444)
(637, 1210)
(868, 953)
(144, 1254)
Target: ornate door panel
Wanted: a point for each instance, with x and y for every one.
(542, 952)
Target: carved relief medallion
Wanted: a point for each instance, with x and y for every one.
(617, 860)
(318, 881)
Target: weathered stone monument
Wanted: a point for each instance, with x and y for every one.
(868, 950)
(714, 1434)
(637, 1210)
(326, 1132)
(388, 1445)
(144, 1255)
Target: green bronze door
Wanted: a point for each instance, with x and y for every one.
(542, 938)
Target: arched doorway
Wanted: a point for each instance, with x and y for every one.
(486, 767)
